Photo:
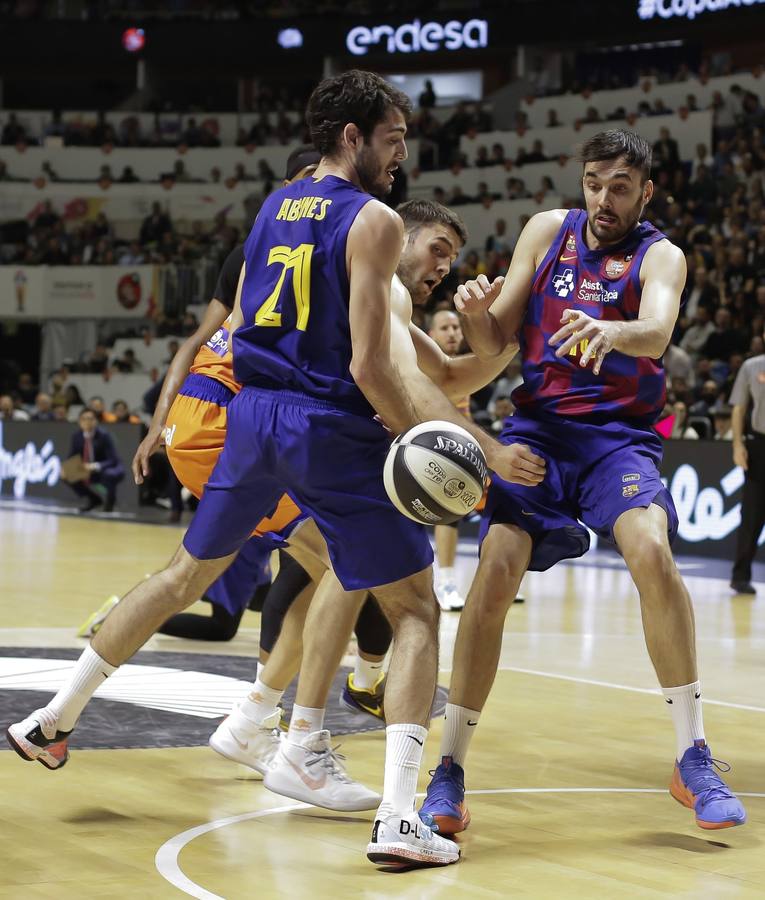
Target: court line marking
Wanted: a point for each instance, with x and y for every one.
(621, 687)
(166, 858)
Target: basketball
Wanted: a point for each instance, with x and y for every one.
(435, 473)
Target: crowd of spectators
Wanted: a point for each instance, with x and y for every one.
(49, 239)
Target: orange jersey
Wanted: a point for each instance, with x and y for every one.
(216, 360)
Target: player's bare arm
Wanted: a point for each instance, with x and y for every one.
(515, 463)
(215, 315)
(492, 314)
(662, 276)
(458, 376)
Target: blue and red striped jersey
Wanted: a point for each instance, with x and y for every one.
(604, 284)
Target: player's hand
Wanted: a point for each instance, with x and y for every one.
(474, 297)
(517, 464)
(140, 464)
(578, 326)
(740, 455)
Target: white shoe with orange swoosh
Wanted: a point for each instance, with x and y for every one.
(313, 773)
(242, 740)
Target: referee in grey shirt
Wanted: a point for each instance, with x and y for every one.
(749, 453)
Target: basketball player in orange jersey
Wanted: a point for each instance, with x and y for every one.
(593, 295)
(315, 357)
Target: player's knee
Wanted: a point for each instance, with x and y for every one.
(650, 557)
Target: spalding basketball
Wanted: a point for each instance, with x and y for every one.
(435, 473)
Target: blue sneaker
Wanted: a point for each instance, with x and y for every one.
(696, 785)
(445, 799)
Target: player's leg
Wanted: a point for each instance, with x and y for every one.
(668, 624)
(44, 734)
(446, 538)
(505, 555)
(364, 688)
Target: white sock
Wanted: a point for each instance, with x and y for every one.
(684, 704)
(403, 754)
(459, 728)
(366, 672)
(445, 574)
(305, 720)
(259, 666)
(261, 702)
(89, 673)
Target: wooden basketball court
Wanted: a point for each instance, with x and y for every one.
(568, 770)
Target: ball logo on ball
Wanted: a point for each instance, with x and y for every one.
(435, 473)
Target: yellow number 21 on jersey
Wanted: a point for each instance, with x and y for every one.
(299, 260)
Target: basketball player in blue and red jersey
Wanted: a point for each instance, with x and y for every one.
(314, 359)
(593, 295)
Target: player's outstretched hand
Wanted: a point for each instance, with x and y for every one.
(140, 464)
(518, 464)
(476, 296)
(578, 326)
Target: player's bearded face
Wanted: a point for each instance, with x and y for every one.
(373, 172)
(615, 196)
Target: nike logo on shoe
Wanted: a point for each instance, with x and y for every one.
(698, 696)
(415, 739)
(314, 784)
(471, 723)
(668, 701)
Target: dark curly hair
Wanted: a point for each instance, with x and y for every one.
(427, 212)
(362, 98)
(614, 143)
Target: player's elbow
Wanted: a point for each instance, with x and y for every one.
(365, 370)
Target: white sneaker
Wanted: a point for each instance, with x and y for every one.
(313, 772)
(404, 841)
(449, 598)
(242, 740)
(37, 738)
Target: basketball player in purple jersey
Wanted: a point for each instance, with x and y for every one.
(314, 358)
(593, 296)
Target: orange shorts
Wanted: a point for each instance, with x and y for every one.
(194, 436)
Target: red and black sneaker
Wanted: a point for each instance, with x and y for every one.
(38, 738)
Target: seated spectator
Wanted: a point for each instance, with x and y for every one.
(534, 156)
(100, 463)
(738, 275)
(72, 396)
(497, 157)
(482, 158)
(13, 131)
(725, 339)
(43, 411)
(499, 242)
(591, 115)
(707, 397)
(215, 175)
(98, 361)
(128, 362)
(666, 154)
(241, 174)
(120, 413)
(26, 388)
(128, 176)
(660, 109)
(154, 225)
(180, 174)
(132, 255)
(457, 198)
(721, 420)
(678, 364)
(10, 412)
(680, 427)
(516, 189)
(189, 324)
(503, 409)
(699, 292)
(60, 412)
(698, 333)
(47, 217)
(172, 349)
(97, 406)
(552, 119)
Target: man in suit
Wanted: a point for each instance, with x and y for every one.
(99, 461)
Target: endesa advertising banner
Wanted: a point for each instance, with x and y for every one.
(32, 453)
